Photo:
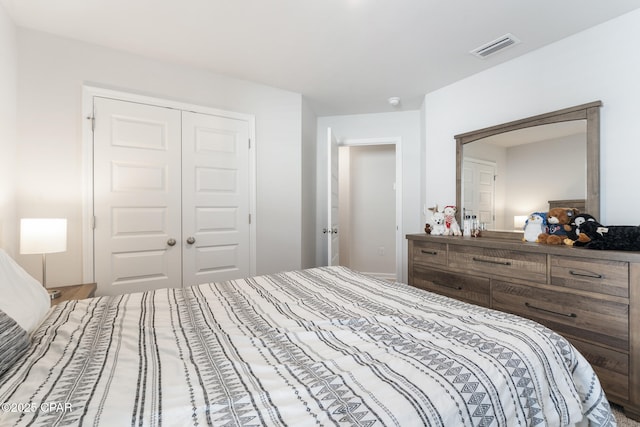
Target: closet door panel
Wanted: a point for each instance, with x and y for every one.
(137, 206)
(215, 192)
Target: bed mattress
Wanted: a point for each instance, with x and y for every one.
(324, 346)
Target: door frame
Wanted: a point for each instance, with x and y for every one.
(397, 141)
(89, 92)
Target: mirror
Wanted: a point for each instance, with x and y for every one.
(508, 171)
(508, 176)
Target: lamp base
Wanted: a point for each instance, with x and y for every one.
(54, 294)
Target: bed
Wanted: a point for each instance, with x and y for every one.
(323, 346)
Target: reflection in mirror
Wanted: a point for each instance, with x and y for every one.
(551, 156)
(512, 174)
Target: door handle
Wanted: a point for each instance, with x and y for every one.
(490, 261)
(171, 242)
(191, 240)
(585, 274)
(549, 311)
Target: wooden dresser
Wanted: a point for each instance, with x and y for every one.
(591, 297)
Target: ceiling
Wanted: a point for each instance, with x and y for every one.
(344, 56)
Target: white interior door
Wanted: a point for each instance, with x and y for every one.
(478, 190)
(137, 218)
(172, 196)
(332, 200)
(215, 193)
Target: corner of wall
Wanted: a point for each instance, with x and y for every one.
(423, 156)
(8, 132)
(309, 166)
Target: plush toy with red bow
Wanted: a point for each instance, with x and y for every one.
(450, 223)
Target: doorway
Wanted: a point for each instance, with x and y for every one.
(370, 207)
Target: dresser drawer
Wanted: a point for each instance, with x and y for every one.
(462, 287)
(579, 316)
(602, 276)
(499, 262)
(429, 253)
(612, 367)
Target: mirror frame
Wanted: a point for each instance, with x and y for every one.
(589, 112)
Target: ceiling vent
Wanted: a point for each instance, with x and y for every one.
(495, 46)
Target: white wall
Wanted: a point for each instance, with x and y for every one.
(52, 71)
(543, 171)
(406, 126)
(8, 143)
(600, 63)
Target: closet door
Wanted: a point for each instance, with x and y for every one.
(215, 198)
(137, 197)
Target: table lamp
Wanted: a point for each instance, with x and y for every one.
(519, 221)
(43, 236)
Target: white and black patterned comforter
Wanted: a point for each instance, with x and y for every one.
(324, 346)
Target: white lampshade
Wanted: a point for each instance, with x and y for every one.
(519, 221)
(43, 235)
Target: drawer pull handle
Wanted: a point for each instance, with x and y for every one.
(578, 273)
(490, 261)
(428, 252)
(446, 285)
(550, 311)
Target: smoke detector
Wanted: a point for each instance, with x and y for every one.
(495, 46)
(394, 101)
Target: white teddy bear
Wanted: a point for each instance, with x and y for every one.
(437, 222)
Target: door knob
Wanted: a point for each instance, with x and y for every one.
(171, 242)
(191, 240)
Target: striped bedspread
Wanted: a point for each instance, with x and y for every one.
(318, 347)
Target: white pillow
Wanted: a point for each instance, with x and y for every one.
(22, 297)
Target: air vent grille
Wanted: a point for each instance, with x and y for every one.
(495, 46)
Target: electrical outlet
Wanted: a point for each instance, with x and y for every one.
(381, 251)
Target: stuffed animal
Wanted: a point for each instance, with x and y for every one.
(614, 237)
(450, 223)
(574, 231)
(557, 218)
(535, 225)
(588, 233)
(437, 222)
